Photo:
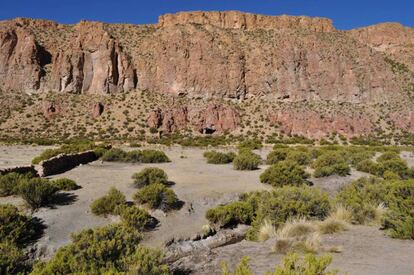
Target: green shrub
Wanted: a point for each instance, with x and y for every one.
(364, 195)
(331, 163)
(148, 261)
(286, 203)
(369, 166)
(16, 228)
(65, 184)
(298, 156)
(94, 251)
(135, 217)
(250, 144)
(12, 259)
(246, 160)
(37, 192)
(231, 214)
(277, 155)
(149, 176)
(214, 157)
(144, 156)
(284, 173)
(157, 195)
(153, 156)
(9, 183)
(107, 204)
(114, 154)
(388, 156)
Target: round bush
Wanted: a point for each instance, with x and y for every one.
(153, 156)
(37, 192)
(284, 173)
(246, 160)
(114, 154)
(231, 214)
(15, 228)
(214, 157)
(300, 157)
(65, 184)
(107, 204)
(330, 163)
(157, 195)
(104, 250)
(135, 217)
(150, 175)
(276, 155)
(9, 183)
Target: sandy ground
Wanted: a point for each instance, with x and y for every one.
(366, 250)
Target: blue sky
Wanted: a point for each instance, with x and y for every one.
(346, 14)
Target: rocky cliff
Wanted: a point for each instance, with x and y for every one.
(216, 56)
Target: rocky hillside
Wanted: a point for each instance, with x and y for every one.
(211, 72)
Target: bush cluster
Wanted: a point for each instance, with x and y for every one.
(387, 164)
(149, 176)
(231, 214)
(276, 206)
(364, 196)
(107, 204)
(37, 192)
(300, 155)
(284, 173)
(214, 157)
(106, 250)
(135, 217)
(10, 182)
(157, 196)
(331, 163)
(246, 160)
(65, 184)
(143, 156)
(251, 144)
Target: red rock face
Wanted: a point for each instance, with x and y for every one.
(207, 120)
(217, 55)
(311, 124)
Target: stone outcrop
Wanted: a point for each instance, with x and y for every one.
(218, 57)
(97, 109)
(247, 21)
(64, 162)
(209, 119)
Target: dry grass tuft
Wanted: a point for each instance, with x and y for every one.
(379, 213)
(266, 231)
(331, 225)
(341, 213)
